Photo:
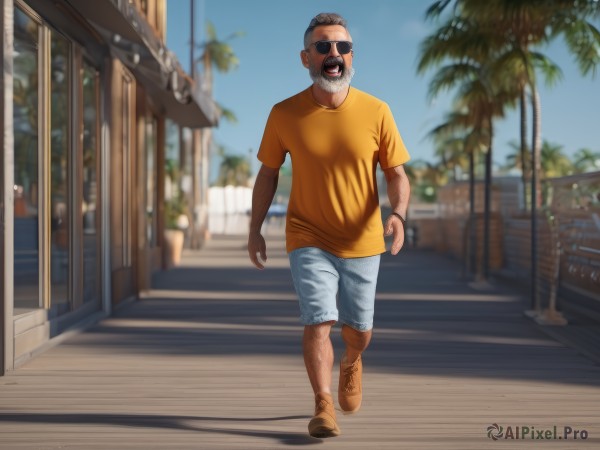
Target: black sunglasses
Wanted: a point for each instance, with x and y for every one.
(324, 47)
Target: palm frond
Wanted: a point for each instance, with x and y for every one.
(449, 76)
(551, 71)
(436, 9)
(227, 114)
(583, 39)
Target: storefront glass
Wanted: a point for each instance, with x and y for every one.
(26, 172)
(151, 176)
(90, 206)
(60, 230)
(172, 160)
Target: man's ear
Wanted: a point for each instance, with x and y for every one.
(304, 58)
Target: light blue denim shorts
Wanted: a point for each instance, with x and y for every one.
(332, 288)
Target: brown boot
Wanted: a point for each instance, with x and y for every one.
(350, 387)
(323, 424)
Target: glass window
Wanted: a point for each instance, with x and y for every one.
(66, 228)
(151, 176)
(186, 161)
(26, 172)
(172, 157)
(60, 235)
(127, 213)
(172, 148)
(89, 207)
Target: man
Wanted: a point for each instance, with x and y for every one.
(335, 135)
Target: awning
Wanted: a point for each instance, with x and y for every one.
(179, 100)
(123, 20)
(132, 40)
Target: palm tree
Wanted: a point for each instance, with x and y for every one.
(215, 54)
(520, 160)
(482, 93)
(554, 162)
(586, 160)
(531, 22)
(433, 175)
(454, 132)
(452, 153)
(523, 64)
(427, 178)
(517, 26)
(233, 171)
(516, 159)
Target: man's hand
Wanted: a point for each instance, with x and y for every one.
(262, 196)
(393, 225)
(398, 190)
(256, 246)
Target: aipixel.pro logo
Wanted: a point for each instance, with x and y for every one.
(497, 432)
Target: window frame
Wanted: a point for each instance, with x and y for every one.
(77, 56)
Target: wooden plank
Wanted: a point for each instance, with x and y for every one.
(203, 362)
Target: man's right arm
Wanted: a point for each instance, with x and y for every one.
(262, 196)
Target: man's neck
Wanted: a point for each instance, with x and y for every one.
(328, 99)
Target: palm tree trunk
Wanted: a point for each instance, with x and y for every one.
(487, 206)
(536, 166)
(535, 192)
(205, 82)
(473, 219)
(524, 165)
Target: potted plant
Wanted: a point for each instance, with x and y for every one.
(176, 222)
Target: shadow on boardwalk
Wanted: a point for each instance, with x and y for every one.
(427, 320)
(211, 358)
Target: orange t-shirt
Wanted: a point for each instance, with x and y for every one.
(334, 203)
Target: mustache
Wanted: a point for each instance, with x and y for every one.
(332, 60)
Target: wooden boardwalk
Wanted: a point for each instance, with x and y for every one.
(211, 359)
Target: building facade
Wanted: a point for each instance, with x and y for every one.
(92, 104)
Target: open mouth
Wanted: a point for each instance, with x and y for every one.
(333, 67)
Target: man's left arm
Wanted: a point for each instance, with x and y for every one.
(398, 190)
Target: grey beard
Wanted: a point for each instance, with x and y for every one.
(332, 86)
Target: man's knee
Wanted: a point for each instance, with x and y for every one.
(355, 338)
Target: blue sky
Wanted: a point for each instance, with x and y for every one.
(386, 35)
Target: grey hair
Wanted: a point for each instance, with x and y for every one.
(320, 20)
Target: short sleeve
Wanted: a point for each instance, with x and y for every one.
(271, 152)
(392, 151)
